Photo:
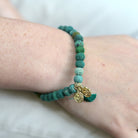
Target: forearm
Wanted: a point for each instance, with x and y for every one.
(34, 57)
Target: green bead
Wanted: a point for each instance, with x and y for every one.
(80, 64)
(74, 34)
(80, 56)
(42, 97)
(78, 37)
(80, 49)
(66, 91)
(61, 27)
(60, 94)
(78, 79)
(68, 29)
(71, 32)
(72, 89)
(79, 43)
(79, 71)
(91, 98)
(49, 97)
(55, 95)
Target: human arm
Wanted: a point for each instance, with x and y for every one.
(34, 57)
(111, 69)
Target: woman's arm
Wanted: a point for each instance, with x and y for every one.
(34, 57)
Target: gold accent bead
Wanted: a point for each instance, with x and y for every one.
(78, 97)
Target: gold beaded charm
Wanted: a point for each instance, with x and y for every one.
(78, 97)
(81, 92)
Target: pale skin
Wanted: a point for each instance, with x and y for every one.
(28, 61)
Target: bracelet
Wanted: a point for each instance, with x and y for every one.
(81, 93)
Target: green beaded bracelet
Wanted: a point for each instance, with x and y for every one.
(81, 93)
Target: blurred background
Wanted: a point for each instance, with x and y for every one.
(91, 17)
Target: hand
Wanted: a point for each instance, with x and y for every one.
(112, 71)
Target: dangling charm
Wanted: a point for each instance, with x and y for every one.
(78, 97)
(81, 92)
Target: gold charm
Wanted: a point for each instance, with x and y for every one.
(78, 97)
(86, 92)
(81, 92)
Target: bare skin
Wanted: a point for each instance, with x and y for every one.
(111, 70)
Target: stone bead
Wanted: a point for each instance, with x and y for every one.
(71, 32)
(78, 37)
(60, 94)
(49, 97)
(61, 27)
(79, 71)
(72, 89)
(42, 97)
(55, 95)
(80, 49)
(80, 64)
(68, 29)
(91, 98)
(80, 56)
(66, 91)
(79, 43)
(78, 79)
(74, 34)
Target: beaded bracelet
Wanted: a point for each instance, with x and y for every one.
(81, 93)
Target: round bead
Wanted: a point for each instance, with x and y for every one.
(74, 34)
(66, 91)
(80, 49)
(45, 97)
(79, 71)
(72, 89)
(80, 64)
(71, 32)
(79, 43)
(68, 29)
(49, 97)
(60, 94)
(78, 79)
(61, 27)
(42, 97)
(80, 56)
(78, 37)
(55, 95)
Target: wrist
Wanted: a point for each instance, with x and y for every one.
(58, 72)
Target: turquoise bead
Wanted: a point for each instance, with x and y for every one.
(80, 56)
(80, 49)
(49, 97)
(68, 29)
(60, 94)
(79, 71)
(78, 79)
(91, 98)
(72, 89)
(71, 32)
(78, 37)
(42, 97)
(79, 43)
(61, 27)
(80, 64)
(45, 97)
(55, 95)
(66, 91)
